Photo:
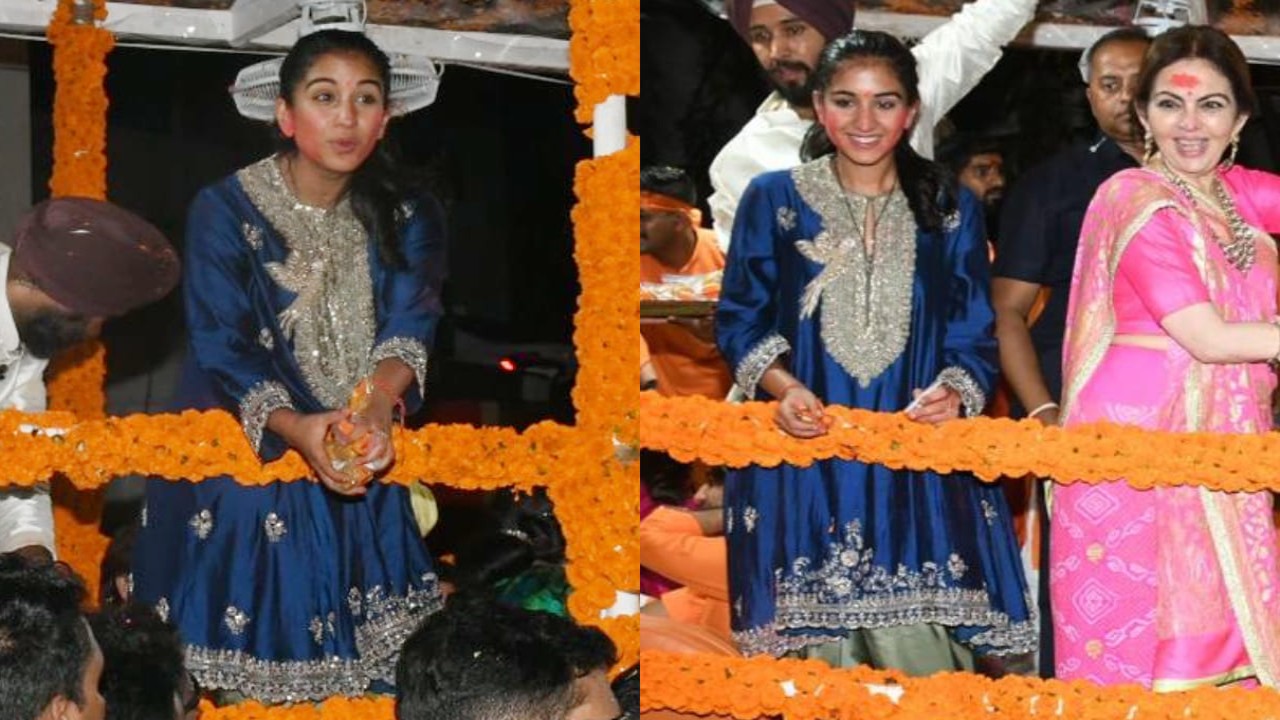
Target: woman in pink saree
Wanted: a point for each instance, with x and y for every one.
(1172, 322)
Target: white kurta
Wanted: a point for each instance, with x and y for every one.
(951, 61)
(26, 515)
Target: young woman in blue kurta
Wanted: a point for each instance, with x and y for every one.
(306, 273)
(860, 278)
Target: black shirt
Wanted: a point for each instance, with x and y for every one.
(1040, 228)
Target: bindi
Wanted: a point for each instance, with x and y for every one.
(1183, 80)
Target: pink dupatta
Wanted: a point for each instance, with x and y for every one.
(1217, 398)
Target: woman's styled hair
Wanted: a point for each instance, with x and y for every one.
(929, 188)
(378, 187)
(1205, 43)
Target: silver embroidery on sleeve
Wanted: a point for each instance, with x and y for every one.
(971, 395)
(409, 351)
(758, 360)
(274, 527)
(331, 320)
(162, 609)
(865, 298)
(201, 523)
(252, 235)
(258, 404)
(786, 218)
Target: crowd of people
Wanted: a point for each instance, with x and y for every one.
(1130, 279)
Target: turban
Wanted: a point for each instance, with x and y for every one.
(92, 257)
(831, 18)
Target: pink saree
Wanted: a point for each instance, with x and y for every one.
(1175, 587)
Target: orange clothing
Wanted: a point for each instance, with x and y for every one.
(685, 365)
(672, 545)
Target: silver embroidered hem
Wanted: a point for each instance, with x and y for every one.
(407, 350)
(757, 361)
(971, 395)
(378, 640)
(1009, 639)
(258, 404)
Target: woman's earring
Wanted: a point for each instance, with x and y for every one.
(1231, 157)
(1149, 147)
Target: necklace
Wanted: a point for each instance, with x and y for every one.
(1241, 250)
(871, 209)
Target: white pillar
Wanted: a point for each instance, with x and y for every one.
(609, 126)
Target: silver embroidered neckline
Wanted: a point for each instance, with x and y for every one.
(331, 320)
(864, 298)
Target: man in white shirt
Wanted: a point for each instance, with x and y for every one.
(71, 264)
(787, 37)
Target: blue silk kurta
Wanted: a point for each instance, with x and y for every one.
(816, 552)
(288, 591)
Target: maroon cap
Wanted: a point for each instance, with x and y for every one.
(831, 18)
(93, 257)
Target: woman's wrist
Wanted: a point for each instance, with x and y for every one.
(788, 387)
(1040, 409)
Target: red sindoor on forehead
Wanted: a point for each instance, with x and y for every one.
(1184, 80)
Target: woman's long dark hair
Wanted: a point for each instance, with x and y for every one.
(378, 187)
(930, 189)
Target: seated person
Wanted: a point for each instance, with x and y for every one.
(50, 663)
(144, 677)
(679, 354)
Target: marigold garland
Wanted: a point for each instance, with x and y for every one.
(811, 690)
(80, 102)
(604, 52)
(76, 379)
(736, 435)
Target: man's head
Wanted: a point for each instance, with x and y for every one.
(978, 164)
(667, 199)
(1110, 70)
(787, 37)
(590, 653)
(50, 664)
(480, 660)
(79, 261)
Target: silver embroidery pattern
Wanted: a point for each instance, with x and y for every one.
(757, 361)
(258, 404)
(409, 351)
(252, 235)
(848, 590)
(389, 621)
(728, 523)
(162, 609)
(786, 218)
(235, 620)
(749, 517)
(144, 516)
(331, 320)
(274, 527)
(201, 523)
(378, 641)
(354, 601)
(971, 395)
(316, 628)
(865, 301)
(266, 339)
(989, 512)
